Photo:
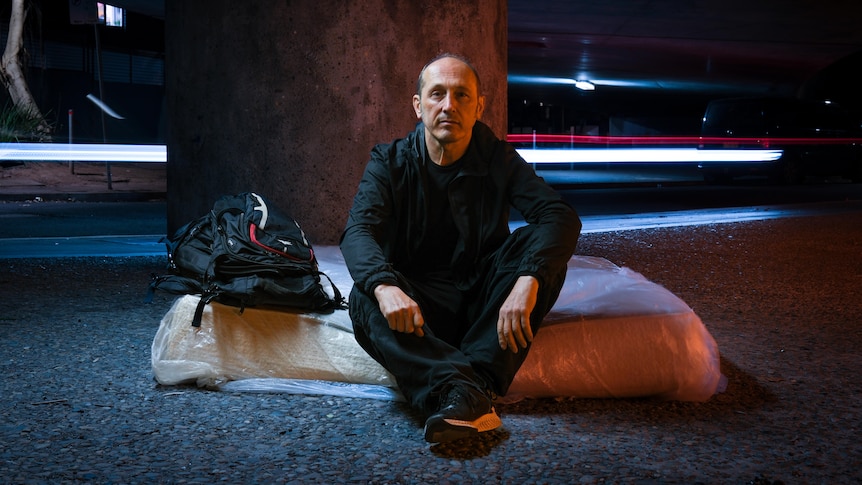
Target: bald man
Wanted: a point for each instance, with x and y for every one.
(445, 296)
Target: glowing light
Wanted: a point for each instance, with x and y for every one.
(83, 152)
(646, 155)
(626, 83)
(599, 224)
(677, 140)
(585, 85)
(104, 107)
(518, 79)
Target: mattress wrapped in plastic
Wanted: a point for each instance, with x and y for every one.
(612, 333)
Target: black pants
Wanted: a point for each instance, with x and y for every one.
(460, 341)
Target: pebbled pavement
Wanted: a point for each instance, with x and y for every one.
(779, 296)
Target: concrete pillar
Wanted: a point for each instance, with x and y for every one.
(286, 98)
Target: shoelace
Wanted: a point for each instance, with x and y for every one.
(454, 397)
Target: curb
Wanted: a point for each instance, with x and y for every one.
(86, 197)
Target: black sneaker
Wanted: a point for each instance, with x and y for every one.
(464, 412)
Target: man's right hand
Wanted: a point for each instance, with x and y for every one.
(401, 311)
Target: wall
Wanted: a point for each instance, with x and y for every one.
(287, 98)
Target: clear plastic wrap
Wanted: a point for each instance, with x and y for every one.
(303, 386)
(257, 343)
(612, 333)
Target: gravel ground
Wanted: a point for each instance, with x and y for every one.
(780, 297)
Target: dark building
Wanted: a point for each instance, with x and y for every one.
(121, 65)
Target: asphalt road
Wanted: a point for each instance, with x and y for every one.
(688, 197)
(778, 297)
(32, 228)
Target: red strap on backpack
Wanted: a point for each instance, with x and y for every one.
(252, 235)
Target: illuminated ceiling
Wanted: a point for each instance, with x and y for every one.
(686, 46)
(728, 46)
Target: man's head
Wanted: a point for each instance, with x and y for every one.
(448, 101)
(420, 81)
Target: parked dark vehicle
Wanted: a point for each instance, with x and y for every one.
(818, 138)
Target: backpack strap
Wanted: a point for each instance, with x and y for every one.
(338, 301)
(207, 297)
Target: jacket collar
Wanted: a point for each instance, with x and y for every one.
(478, 153)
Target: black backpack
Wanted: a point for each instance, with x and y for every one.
(245, 252)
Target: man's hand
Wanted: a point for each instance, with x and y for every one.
(402, 313)
(513, 324)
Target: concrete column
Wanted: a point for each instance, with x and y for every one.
(286, 98)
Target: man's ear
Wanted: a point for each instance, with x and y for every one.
(480, 107)
(417, 106)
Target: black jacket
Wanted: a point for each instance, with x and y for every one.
(387, 220)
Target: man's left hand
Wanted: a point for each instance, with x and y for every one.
(513, 325)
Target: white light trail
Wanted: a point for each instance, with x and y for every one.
(104, 107)
(48, 152)
(628, 83)
(158, 154)
(698, 217)
(646, 155)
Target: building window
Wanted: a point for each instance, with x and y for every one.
(110, 15)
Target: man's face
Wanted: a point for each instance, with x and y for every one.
(449, 104)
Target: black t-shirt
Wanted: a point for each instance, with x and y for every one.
(441, 234)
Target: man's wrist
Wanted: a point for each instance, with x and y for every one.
(381, 288)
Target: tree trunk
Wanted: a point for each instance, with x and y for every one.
(11, 73)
